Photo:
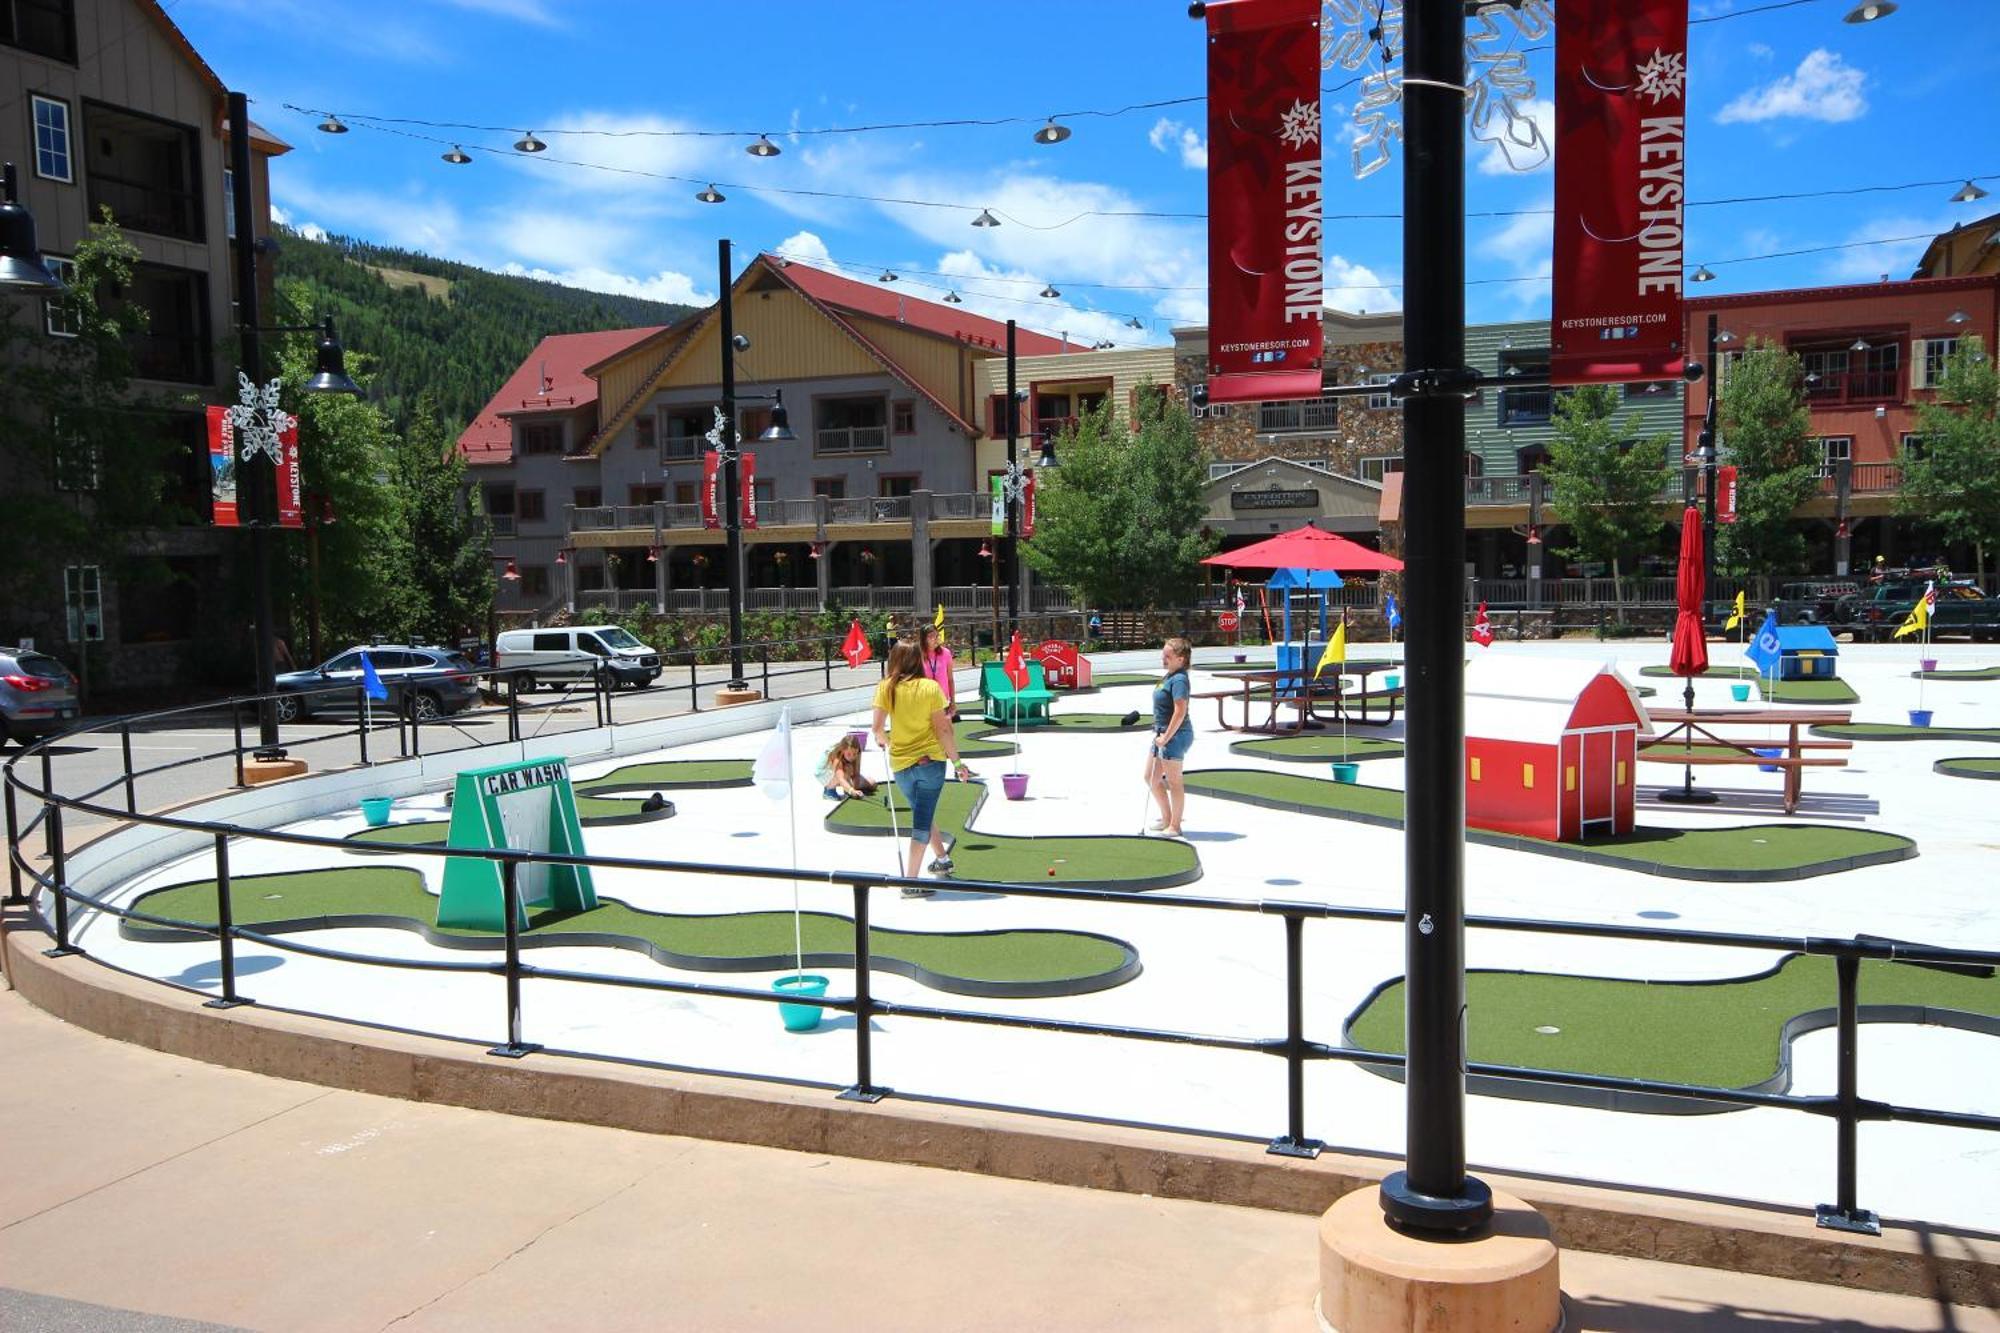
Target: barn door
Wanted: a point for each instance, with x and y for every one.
(1596, 780)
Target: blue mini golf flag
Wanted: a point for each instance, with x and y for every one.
(1395, 612)
(371, 684)
(1763, 649)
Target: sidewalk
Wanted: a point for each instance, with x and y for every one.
(150, 1193)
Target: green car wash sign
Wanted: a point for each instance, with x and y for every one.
(528, 807)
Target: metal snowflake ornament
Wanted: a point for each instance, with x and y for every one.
(1300, 125)
(718, 433)
(1014, 482)
(1663, 76)
(257, 419)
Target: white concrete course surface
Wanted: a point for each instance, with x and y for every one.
(1223, 973)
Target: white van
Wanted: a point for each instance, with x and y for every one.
(530, 657)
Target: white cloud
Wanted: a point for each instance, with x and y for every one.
(1823, 88)
(1358, 288)
(526, 11)
(410, 220)
(665, 285)
(619, 146)
(1759, 50)
(312, 231)
(1867, 263)
(1526, 245)
(1168, 136)
(1537, 114)
(805, 247)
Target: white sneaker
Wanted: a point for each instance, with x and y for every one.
(1157, 826)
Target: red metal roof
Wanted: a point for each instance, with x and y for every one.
(551, 379)
(882, 302)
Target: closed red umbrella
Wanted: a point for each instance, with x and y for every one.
(1689, 657)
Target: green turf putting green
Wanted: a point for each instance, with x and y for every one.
(1022, 963)
(1726, 1034)
(1755, 852)
(1318, 747)
(1832, 690)
(1126, 861)
(1123, 678)
(596, 804)
(1060, 722)
(1988, 769)
(1963, 673)
(1896, 731)
(419, 833)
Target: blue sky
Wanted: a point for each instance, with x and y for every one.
(1782, 101)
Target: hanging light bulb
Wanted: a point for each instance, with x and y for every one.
(513, 571)
(1959, 317)
(985, 219)
(1135, 323)
(1858, 345)
(528, 143)
(1870, 10)
(1703, 274)
(985, 551)
(332, 125)
(763, 147)
(1724, 336)
(457, 156)
(1052, 132)
(711, 195)
(562, 556)
(1049, 293)
(887, 276)
(1534, 534)
(652, 555)
(953, 298)
(1968, 193)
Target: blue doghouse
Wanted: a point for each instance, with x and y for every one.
(1807, 652)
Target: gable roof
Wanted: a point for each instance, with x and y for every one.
(1533, 699)
(868, 298)
(554, 378)
(1965, 247)
(157, 12)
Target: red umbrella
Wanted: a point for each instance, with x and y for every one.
(1690, 654)
(1305, 548)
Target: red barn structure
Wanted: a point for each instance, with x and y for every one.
(1550, 747)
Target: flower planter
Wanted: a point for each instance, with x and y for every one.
(800, 1017)
(1346, 771)
(1920, 717)
(375, 809)
(1740, 693)
(1927, 664)
(1015, 785)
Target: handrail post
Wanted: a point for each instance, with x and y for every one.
(1294, 1143)
(236, 721)
(58, 876)
(694, 681)
(131, 791)
(14, 894)
(826, 660)
(513, 708)
(1844, 1214)
(510, 901)
(764, 652)
(362, 717)
(225, 930)
(864, 1089)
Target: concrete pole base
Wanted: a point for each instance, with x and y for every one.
(257, 771)
(1376, 1279)
(728, 698)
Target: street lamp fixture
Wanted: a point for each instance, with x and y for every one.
(21, 266)
(1870, 10)
(953, 298)
(1959, 317)
(887, 276)
(711, 195)
(1135, 323)
(763, 147)
(513, 571)
(1049, 293)
(1048, 457)
(562, 555)
(985, 219)
(330, 362)
(1858, 345)
(1968, 193)
(332, 125)
(1703, 274)
(1724, 336)
(457, 156)
(1052, 132)
(528, 143)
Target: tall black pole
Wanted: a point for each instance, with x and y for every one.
(1709, 456)
(256, 479)
(1013, 501)
(1433, 1193)
(732, 518)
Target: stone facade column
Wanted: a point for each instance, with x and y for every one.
(921, 570)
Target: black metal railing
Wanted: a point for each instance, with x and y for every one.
(48, 884)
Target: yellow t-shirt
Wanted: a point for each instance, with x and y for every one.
(911, 739)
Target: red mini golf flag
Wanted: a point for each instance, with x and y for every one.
(855, 649)
(1482, 628)
(1015, 667)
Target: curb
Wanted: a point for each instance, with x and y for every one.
(1946, 767)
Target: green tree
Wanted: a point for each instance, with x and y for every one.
(1605, 483)
(83, 458)
(447, 540)
(1765, 435)
(1119, 523)
(1952, 481)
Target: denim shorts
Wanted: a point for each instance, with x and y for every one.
(1177, 745)
(921, 784)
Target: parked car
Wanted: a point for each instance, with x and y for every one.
(434, 681)
(1826, 602)
(37, 696)
(531, 657)
(1962, 610)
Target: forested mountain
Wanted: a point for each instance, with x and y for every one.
(416, 323)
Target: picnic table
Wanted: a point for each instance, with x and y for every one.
(1697, 728)
(1294, 688)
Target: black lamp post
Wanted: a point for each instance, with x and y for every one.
(256, 469)
(724, 440)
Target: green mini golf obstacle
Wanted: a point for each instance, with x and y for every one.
(528, 807)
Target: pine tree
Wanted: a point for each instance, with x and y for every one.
(447, 541)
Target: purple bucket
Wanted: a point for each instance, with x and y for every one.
(1015, 785)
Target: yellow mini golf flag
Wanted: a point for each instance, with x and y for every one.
(937, 621)
(1920, 616)
(1336, 651)
(1736, 616)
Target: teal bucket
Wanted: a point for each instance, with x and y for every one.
(375, 809)
(1346, 772)
(1391, 680)
(1740, 693)
(800, 1017)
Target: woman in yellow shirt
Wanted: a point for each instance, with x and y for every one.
(920, 739)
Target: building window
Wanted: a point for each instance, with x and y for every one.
(851, 425)
(41, 27)
(642, 432)
(641, 494)
(1927, 368)
(687, 431)
(1724, 362)
(1833, 451)
(146, 170)
(905, 418)
(175, 345)
(1472, 768)
(752, 424)
(897, 485)
(1380, 402)
(587, 497)
(1913, 446)
(684, 493)
(528, 506)
(1374, 469)
(1217, 471)
(1650, 389)
(589, 578)
(59, 313)
(766, 492)
(229, 203)
(833, 488)
(1526, 406)
(1302, 416)
(1837, 373)
(535, 580)
(546, 439)
(52, 155)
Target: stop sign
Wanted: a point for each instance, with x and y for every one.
(1227, 622)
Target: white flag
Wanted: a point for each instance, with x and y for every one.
(773, 769)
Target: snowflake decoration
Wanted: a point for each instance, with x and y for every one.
(1663, 76)
(718, 431)
(1014, 482)
(1300, 126)
(257, 418)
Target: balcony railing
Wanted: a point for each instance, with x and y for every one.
(501, 524)
(179, 358)
(142, 206)
(1307, 416)
(1834, 388)
(852, 439)
(957, 507)
(1864, 479)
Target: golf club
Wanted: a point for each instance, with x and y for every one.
(1152, 776)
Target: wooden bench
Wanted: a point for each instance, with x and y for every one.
(1708, 747)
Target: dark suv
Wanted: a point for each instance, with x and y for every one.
(433, 681)
(1831, 602)
(1961, 610)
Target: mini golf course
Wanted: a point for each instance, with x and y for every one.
(1722, 1034)
(1896, 731)
(1318, 748)
(1831, 690)
(1023, 964)
(1751, 853)
(1106, 860)
(1964, 673)
(1988, 769)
